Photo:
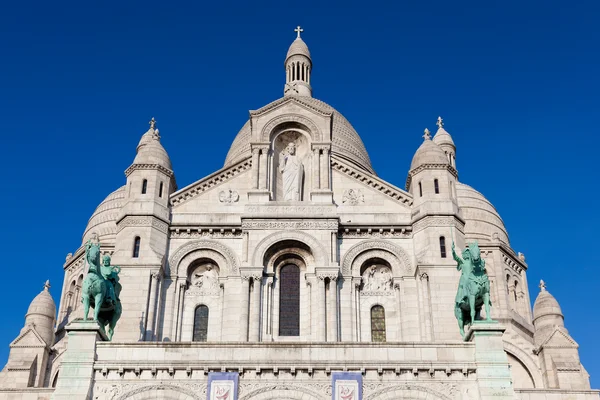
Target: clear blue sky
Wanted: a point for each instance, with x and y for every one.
(516, 82)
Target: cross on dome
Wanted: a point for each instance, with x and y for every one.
(152, 123)
(542, 286)
(427, 134)
(298, 30)
(47, 285)
(440, 122)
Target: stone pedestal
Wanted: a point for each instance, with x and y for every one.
(493, 371)
(75, 379)
(321, 196)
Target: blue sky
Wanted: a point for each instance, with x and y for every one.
(516, 83)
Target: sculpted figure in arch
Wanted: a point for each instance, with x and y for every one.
(208, 279)
(292, 171)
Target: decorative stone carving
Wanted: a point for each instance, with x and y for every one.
(210, 182)
(300, 224)
(353, 197)
(438, 221)
(232, 261)
(143, 221)
(228, 196)
(215, 233)
(404, 264)
(374, 233)
(292, 172)
(204, 281)
(316, 390)
(385, 188)
(377, 280)
(124, 391)
(435, 390)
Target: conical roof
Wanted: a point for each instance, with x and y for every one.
(298, 47)
(428, 153)
(545, 304)
(150, 151)
(42, 304)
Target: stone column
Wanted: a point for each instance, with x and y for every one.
(316, 169)
(244, 304)
(263, 167)
(323, 166)
(397, 282)
(267, 309)
(182, 286)
(493, 371)
(356, 282)
(255, 167)
(511, 297)
(77, 368)
(332, 310)
(322, 321)
(151, 307)
(254, 331)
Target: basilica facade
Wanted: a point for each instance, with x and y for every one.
(295, 272)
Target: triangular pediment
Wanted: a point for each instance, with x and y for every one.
(28, 338)
(372, 182)
(210, 182)
(311, 106)
(559, 338)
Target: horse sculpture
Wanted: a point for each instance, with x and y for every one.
(473, 288)
(101, 288)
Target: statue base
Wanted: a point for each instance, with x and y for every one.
(322, 196)
(259, 196)
(77, 369)
(493, 371)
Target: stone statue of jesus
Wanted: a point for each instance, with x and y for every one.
(292, 171)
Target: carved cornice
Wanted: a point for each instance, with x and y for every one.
(313, 129)
(422, 167)
(290, 224)
(324, 273)
(142, 221)
(136, 167)
(204, 232)
(210, 182)
(373, 182)
(429, 221)
(374, 232)
(512, 263)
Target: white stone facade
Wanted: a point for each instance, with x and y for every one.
(359, 244)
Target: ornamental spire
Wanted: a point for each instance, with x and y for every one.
(298, 30)
(426, 134)
(152, 123)
(440, 123)
(47, 285)
(298, 68)
(542, 286)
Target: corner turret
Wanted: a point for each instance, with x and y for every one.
(558, 352)
(443, 139)
(30, 351)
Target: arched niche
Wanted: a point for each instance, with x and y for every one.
(521, 359)
(160, 391)
(291, 392)
(288, 134)
(317, 250)
(285, 121)
(394, 255)
(224, 256)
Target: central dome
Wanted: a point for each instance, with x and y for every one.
(345, 144)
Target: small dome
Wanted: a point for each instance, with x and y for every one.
(428, 153)
(442, 137)
(103, 220)
(298, 47)
(42, 304)
(150, 151)
(546, 305)
(482, 221)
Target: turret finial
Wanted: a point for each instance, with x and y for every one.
(47, 285)
(427, 134)
(440, 123)
(298, 30)
(152, 123)
(542, 286)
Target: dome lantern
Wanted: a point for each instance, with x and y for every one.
(298, 68)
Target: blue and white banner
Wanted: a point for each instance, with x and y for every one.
(222, 386)
(346, 386)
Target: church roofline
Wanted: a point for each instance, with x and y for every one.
(372, 181)
(210, 181)
(287, 99)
